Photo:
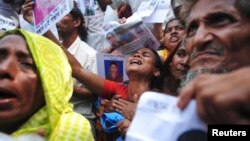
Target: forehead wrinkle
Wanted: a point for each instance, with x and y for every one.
(212, 8)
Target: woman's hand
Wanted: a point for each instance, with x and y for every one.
(110, 107)
(126, 108)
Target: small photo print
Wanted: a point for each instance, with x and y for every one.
(114, 70)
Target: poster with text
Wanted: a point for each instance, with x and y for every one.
(49, 12)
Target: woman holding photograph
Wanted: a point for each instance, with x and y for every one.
(144, 70)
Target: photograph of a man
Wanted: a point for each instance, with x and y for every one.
(113, 40)
(113, 70)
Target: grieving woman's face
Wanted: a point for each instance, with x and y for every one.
(20, 90)
(179, 65)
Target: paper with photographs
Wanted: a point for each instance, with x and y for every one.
(86, 6)
(160, 13)
(112, 67)
(130, 36)
(161, 113)
(49, 12)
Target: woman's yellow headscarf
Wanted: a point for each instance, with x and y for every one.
(56, 117)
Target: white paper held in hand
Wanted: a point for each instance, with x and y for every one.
(158, 118)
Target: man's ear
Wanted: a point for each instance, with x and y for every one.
(77, 22)
(157, 73)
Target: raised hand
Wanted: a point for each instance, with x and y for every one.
(27, 11)
(221, 99)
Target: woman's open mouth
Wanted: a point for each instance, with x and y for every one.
(6, 97)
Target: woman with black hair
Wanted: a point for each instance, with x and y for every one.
(176, 67)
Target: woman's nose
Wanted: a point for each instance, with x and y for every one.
(8, 69)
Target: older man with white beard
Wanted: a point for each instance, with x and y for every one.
(218, 40)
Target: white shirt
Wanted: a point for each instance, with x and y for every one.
(86, 56)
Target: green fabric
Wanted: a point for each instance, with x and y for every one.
(57, 116)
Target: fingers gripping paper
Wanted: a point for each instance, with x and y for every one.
(158, 118)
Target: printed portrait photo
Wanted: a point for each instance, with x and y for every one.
(114, 70)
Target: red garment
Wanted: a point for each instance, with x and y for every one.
(113, 88)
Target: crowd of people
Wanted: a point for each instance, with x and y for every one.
(49, 86)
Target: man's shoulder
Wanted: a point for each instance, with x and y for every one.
(84, 47)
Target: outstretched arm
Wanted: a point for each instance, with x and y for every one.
(93, 82)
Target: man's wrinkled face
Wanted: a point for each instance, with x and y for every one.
(217, 36)
(20, 92)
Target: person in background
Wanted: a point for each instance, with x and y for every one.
(9, 10)
(176, 67)
(35, 88)
(173, 34)
(95, 23)
(73, 33)
(176, 5)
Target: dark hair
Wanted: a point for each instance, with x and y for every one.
(110, 34)
(127, 12)
(9, 1)
(174, 19)
(81, 30)
(167, 64)
(113, 63)
(171, 57)
(241, 5)
(156, 81)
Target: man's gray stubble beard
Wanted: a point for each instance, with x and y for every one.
(194, 73)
